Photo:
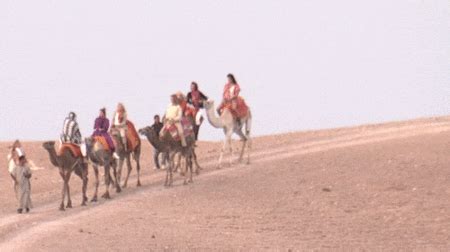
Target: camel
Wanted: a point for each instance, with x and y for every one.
(171, 147)
(101, 157)
(67, 163)
(125, 154)
(230, 125)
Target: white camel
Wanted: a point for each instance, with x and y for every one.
(230, 125)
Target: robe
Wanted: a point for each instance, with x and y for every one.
(22, 174)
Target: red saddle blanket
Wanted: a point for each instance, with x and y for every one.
(102, 141)
(73, 148)
(133, 139)
(188, 129)
(240, 110)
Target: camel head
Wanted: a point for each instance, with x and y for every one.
(49, 145)
(149, 132)
(208, 104)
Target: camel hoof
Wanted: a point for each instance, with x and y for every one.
(83, 204)
(106, 196)
(69, 205)
(190, 181)
(94, 199)
(185, 183)
(61, 208)
(118, 190)
(139, 184)
(124, 186)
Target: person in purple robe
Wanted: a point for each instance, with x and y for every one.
(101, 127)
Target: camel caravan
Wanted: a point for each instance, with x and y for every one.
(110, 146)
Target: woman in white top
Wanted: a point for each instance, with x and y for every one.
(120, 123)
(173, 115)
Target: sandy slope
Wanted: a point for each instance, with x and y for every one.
(370, 187)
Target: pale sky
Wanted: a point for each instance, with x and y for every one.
(303, 64)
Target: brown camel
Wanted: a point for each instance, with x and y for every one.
(171, 147)
(230, 125)
(101, 157)
(125, 155)
(67, 163)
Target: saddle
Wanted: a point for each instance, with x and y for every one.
(73, 148)
(188, 129)
(133, 139)
(240, 111)
(102, 141)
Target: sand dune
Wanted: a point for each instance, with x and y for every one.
(373, 187)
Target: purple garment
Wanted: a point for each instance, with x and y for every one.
(101, 127)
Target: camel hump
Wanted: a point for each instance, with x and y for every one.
(133, 139)
(73, 148)
(239, 109)
(102, 140)
(188, 129)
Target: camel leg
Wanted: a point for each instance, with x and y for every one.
(117, 184)
(244, 144)
(222, 151)
(85, 182)
(185, 169)
(169, 176)
(190, 166)
(69, 200)
(63, 193)
(249, 149)
(241, 155)
(107, 182)
(97, 182)
(179, 165)
(230, 149)
(197, 166)
(128, 170)
(168, 171)
(138, 169)
(248, 128)
(119, 171)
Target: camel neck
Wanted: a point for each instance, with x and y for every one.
(53, 157)
(215, 121)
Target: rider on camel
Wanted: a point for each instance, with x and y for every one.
(71, 132)
(174, 114)
(120, 123)
(230, 94)
(101, 127)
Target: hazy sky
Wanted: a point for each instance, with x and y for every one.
(302, 64)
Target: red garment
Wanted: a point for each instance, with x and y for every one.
(237, 107)
(227, 94)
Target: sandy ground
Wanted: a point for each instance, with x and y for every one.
(376, 187)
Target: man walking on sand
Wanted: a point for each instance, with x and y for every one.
(21, 175)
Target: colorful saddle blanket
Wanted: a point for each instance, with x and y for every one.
(240, 110)
(102, 141)
(133, 139)
(188, 129)
(73, 148)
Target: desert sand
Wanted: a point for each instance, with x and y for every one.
(372, 187)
